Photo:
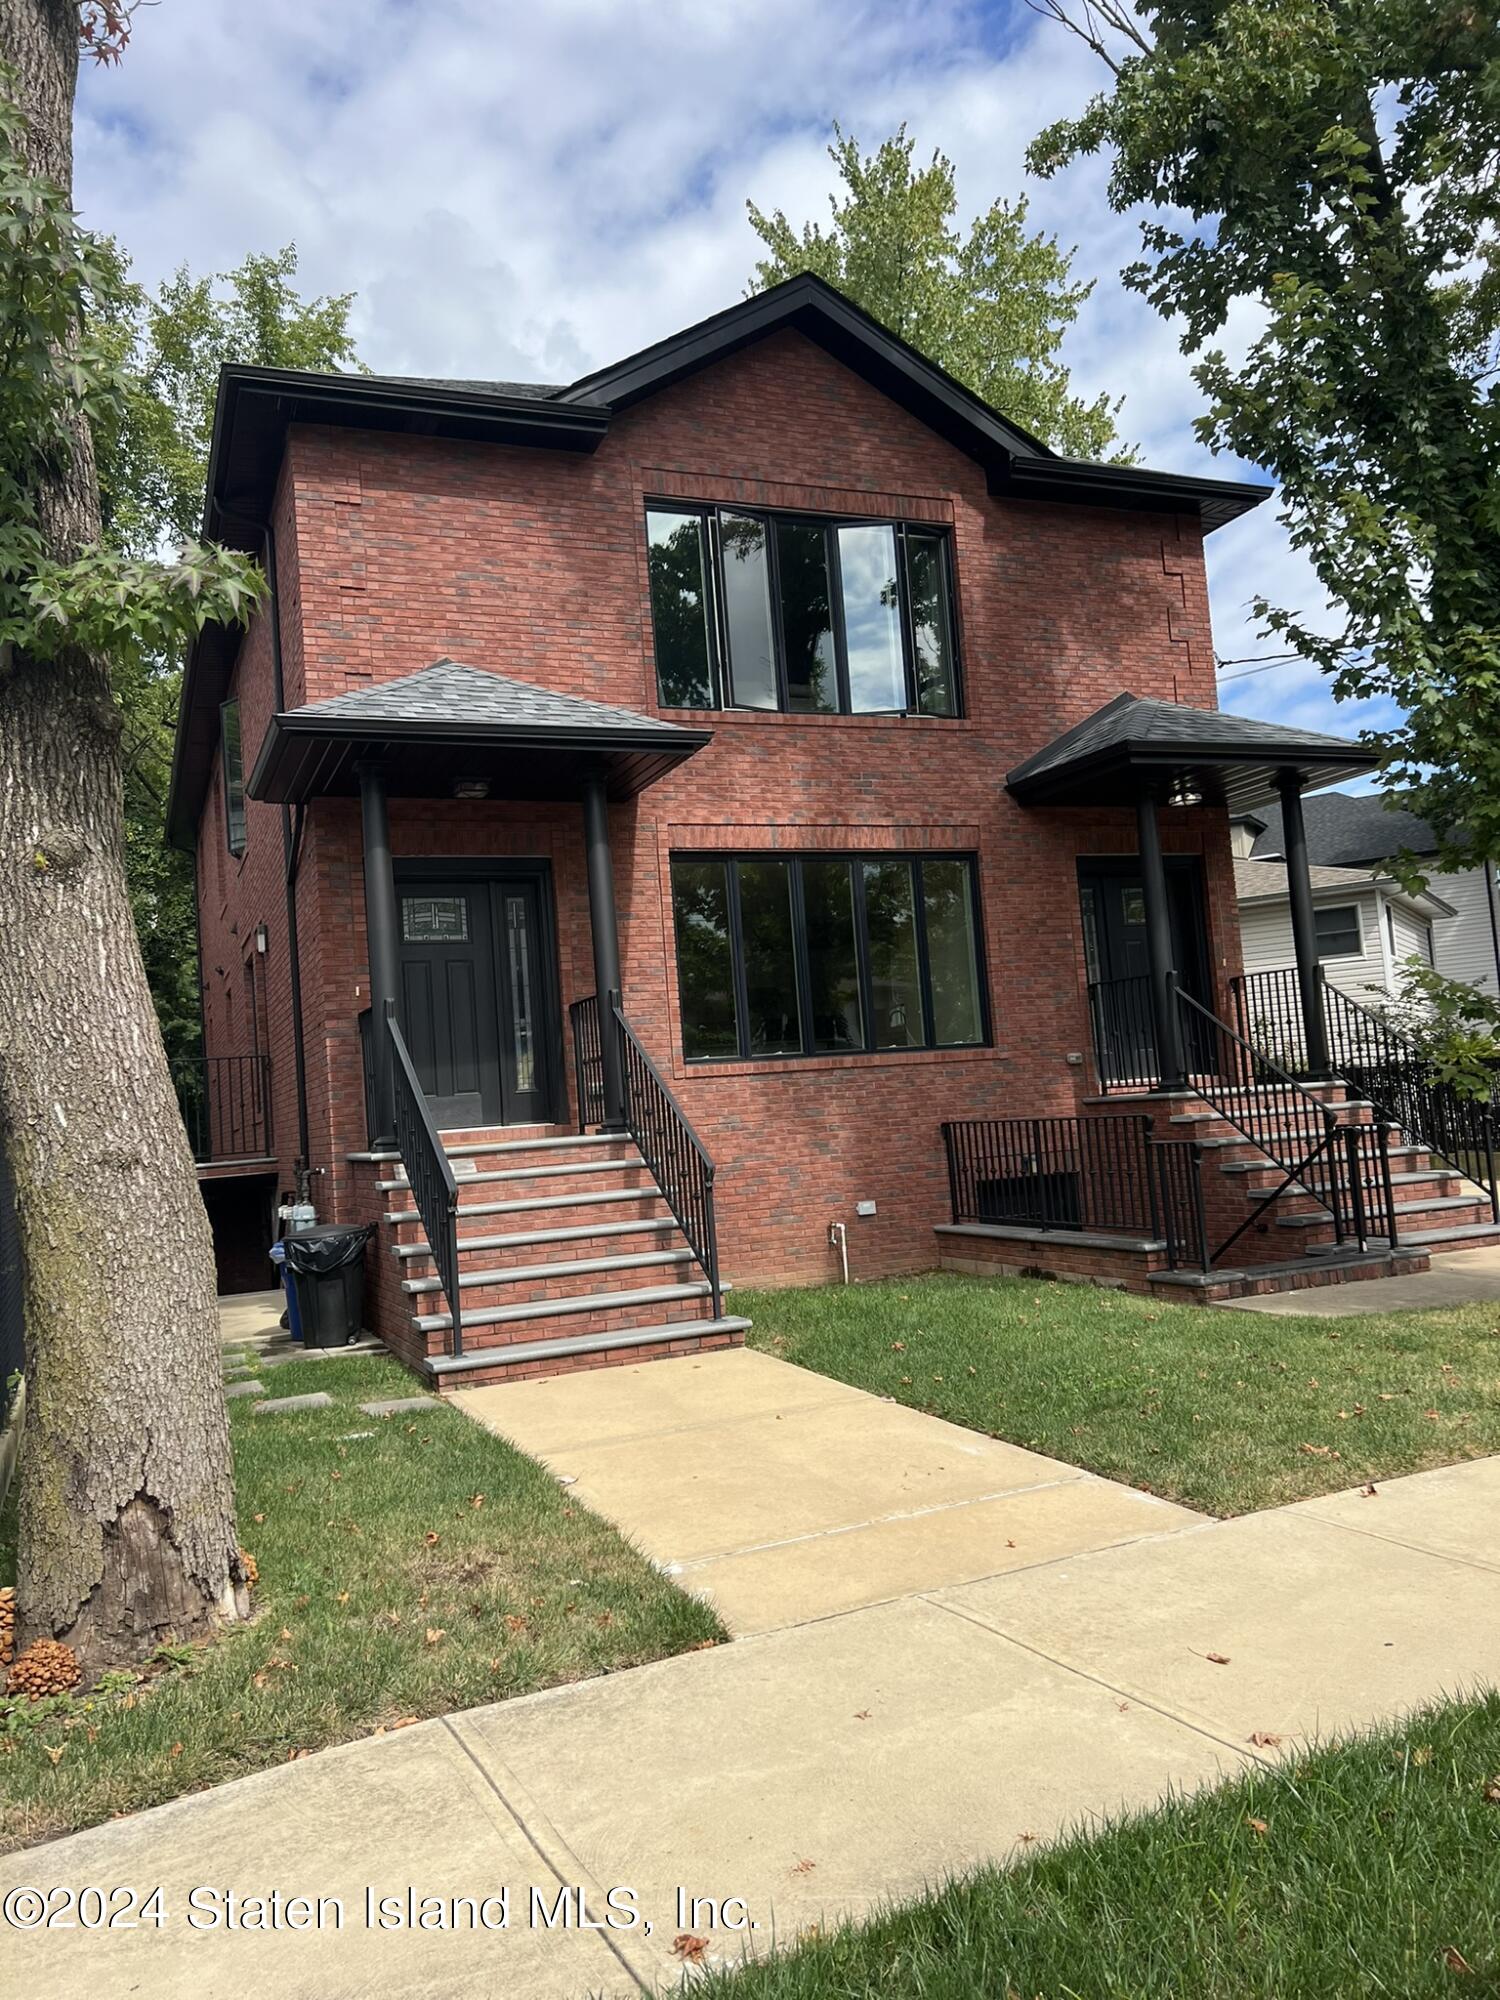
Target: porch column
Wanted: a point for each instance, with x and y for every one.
(381, 934)
(606, 932)
(1170, 1073)
(1304, 930)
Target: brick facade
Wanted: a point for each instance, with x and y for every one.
(395, 551)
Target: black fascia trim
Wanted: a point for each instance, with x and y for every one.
(1120, 759)
(1216, 501)
(288, 730)
(205, 684)
(816, 309)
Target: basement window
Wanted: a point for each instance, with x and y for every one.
(805, 615)
(818, 954)
(234, 777)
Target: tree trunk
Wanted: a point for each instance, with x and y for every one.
(126, 1507)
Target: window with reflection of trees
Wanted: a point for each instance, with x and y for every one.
(826, 954)
(810, 616)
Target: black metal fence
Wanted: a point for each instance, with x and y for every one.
(433, 1187)
(588, 1061)
(226, 1106)
(1124, 1033)
(1370, 1053)
(1103, 1174)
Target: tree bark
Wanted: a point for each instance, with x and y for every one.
(126, 1506)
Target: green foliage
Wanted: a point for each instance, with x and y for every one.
(991, 308)
(1333, 164)
(1454, 1025)
(151, 447)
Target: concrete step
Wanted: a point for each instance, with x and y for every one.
(525, 1239)
(484, 1177)
(598, 1198)
(1475, 1236)
(583, 1302)
(476, 1367)
(527, 1274)
(1444, 1205)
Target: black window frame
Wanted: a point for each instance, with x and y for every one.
(853, 859)
(232, 771)
(1324, 910)
(720, 672)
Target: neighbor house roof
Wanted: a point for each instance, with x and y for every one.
(1265, 882)
(256, 406)
(1346, 828)
(451, 722)
(1134, 743)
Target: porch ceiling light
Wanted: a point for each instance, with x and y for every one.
(1184, 793)
(471, 788)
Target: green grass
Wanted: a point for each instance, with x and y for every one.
(388, 1590)
(1378, 1859)
(1224, 1411)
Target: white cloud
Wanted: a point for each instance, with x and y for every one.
(531, 192)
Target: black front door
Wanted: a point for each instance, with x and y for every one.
(475, 997)
(1119, 961)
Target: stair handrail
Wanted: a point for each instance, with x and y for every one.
(679, 1162)
(1270, 1093)
(1425, 1096)
(428, 1168)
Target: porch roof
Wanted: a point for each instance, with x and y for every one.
(1134, 747)
(449, 724)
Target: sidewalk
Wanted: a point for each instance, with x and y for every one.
(812, 1770)
(1466, 1277)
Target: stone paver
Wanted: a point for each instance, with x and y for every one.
(394, 1406)
(319, 1399)
(1466, 1277)
(781, 1495)
(251, 1388)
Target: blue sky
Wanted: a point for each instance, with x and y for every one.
(529, 193)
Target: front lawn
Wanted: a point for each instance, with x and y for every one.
(1367, 1869)
(409, 1565)
(1224, 1411)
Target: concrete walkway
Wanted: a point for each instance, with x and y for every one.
(825, 1762)
(1467, 1277)
(781, 1496)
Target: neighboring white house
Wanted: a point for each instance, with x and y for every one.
(1368, 926)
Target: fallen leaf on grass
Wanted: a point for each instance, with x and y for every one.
(691, 1950)
(342, 1598)
(476, 1499)
(432, 1538)
(1257, 1825)
(1422, 1755)
(1454, 1959)
(56, 1754)
(435, 1635)
(1492, 1791)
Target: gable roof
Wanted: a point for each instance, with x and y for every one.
(1134, 741)
(1265, 882)
(1347, 828)
(449, 721)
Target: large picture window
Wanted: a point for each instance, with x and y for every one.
(826, 954)
(780, 611)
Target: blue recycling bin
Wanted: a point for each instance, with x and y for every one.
(293, 1316)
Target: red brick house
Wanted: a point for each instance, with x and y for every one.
(648, 811)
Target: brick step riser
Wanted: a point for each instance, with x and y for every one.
(1291, 1134)
(517, 1185)
(1431, 1187)
(518, 1255)
(621, 1154)
(534, 1290)
(621, 1357)
(621, 1206)
(615, 1319)
(1312, 1278)
(1409, 1216)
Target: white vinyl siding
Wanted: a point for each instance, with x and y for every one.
(1464, 944)
(1266, 940)
(1409, 938)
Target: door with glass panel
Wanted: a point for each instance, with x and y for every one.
(476, 1007)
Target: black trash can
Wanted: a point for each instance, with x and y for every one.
(326, 1267)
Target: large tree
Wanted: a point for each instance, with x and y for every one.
(992, 308)
(152, 456)
(126, 1510)
(1333, 166)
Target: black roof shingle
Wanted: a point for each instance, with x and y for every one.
(1348, 830)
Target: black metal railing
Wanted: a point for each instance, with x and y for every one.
(1124, 1033)
(588, 1061)
(1379, 1063)
(678, 1160)
(433, 1187)
(1103, 1174)
(226, 1106)
(1302, 1137)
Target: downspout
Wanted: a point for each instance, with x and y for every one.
(291, 842)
